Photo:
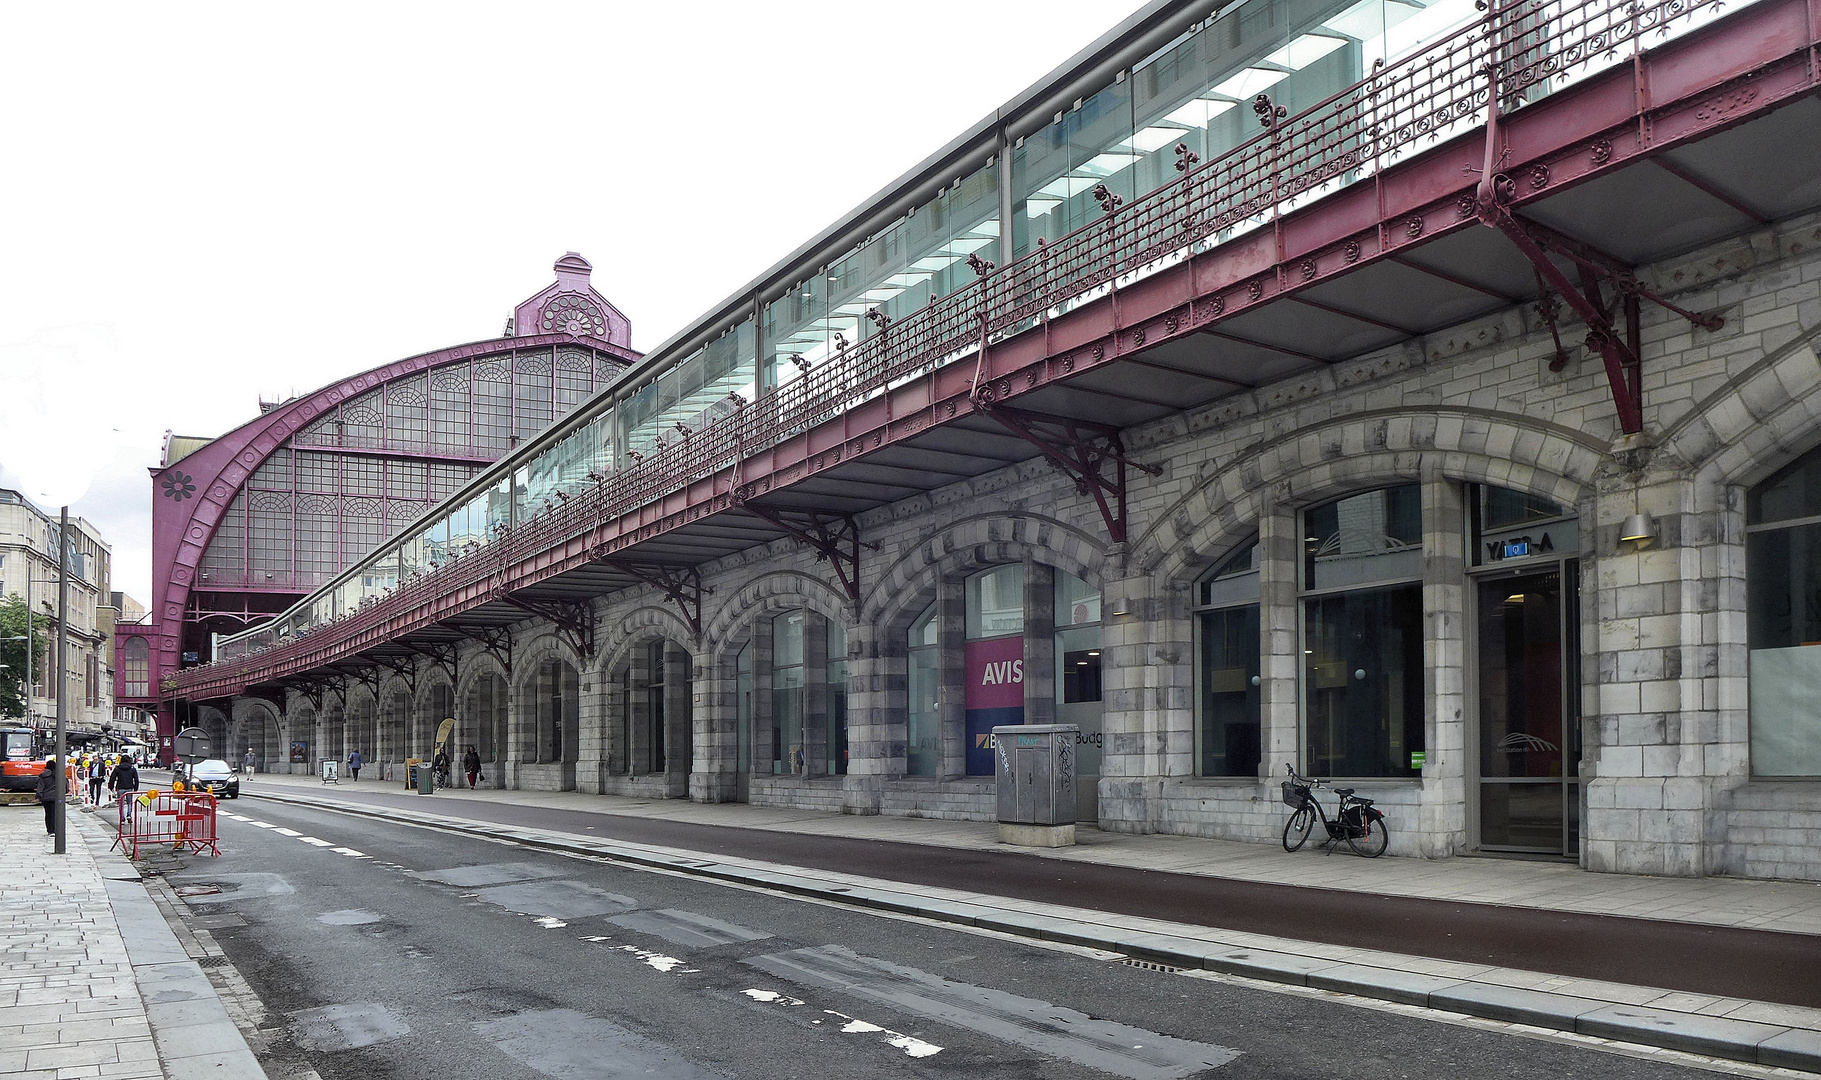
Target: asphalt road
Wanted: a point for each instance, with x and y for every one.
(385, 951)
(1717, 960)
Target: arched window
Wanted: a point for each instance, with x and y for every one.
(1783, 619)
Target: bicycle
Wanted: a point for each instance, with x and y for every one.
(1356, 820)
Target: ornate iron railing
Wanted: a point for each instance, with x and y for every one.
(1438, 91)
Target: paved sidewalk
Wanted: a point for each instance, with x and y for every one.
(94, 983)
(1738, 1028)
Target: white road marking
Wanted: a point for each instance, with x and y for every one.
(316, 842)
(351, 853)
(261, 824)
(280, 830)
(549, 923)
(770, 996)
(666, 964)
(910, 1044)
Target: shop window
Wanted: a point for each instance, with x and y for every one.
(995, 602)
(743, 708)
(654, 706)
(1229, 701)
(993, 660)
(787, 693)
(1362, 629)
(836, 669)
(1078, 699)
(922, 744)
(1783, 619)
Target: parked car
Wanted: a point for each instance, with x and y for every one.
(214, 775)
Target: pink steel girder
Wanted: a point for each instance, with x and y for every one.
(1536, 241)
(573, 619)
(494, 641)
(835, 538)
(404, 669)
(889, 388)
(1080, 449)
(440, 655)
(681, 585)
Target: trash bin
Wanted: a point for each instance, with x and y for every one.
(426, 779)
(1035, 771)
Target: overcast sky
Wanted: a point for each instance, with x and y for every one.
(210, 203)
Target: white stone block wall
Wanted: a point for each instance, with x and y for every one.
(1666, 771)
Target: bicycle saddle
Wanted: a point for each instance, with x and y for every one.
(1343, 791)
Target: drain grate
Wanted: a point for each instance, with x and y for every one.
(1150, 965)
(213, 961)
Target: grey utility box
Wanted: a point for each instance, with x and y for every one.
(1036, 777)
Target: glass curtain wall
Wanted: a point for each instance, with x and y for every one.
(787, 694)
(1230, 702)
(1783, 619)
(1198, 94)
(923, 742)
(1363, 635)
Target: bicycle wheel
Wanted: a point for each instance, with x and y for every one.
(1371, 845)
(1296, 830)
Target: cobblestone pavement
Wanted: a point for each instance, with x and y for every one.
(94, 982)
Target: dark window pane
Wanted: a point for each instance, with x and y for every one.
(1505, 508)
(1230, 695)
(1081, 676)
(1793, 492)
(1369, 537)
(1363, 682)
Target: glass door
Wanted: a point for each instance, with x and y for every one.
(1529, 757)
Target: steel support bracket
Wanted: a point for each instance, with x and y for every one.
(495, 642)
(573, 619)
(835, 538)
(682, 585)
(442, 656)
(1083, 450)
(404, 669)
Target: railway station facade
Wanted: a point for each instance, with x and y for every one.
(1268, 386)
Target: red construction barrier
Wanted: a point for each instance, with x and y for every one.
(180, 819)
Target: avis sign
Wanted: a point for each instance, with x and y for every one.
(995, 695)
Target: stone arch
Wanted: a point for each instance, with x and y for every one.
(544, 737)
(1358, 451)
(361, 723)
(641, 624)
(647, 729)
(1761, 420)
(482, 715)
(395, 708)
(434, 702)
(728, 630)
(257, 725)
(909, 584)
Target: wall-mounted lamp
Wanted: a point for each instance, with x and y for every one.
(1639, 529)
(1122, 606)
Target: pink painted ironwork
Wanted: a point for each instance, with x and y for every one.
(1240, 230)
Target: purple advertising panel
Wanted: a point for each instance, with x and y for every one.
(995, 695)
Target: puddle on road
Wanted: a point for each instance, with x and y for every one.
(346, 1027)
(575, 1046)
(1048, 1029)
(229, 887)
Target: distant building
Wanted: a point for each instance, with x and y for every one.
(28, 570)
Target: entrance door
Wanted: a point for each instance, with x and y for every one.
(1529, 750)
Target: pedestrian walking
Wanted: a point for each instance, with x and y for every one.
(47, 793)
(471, 764)
(441, 764)
(354, 761)
(97, 777)
(124, 778)
(250, 761)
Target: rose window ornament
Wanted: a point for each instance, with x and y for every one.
(572, 314)
(179, 486)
